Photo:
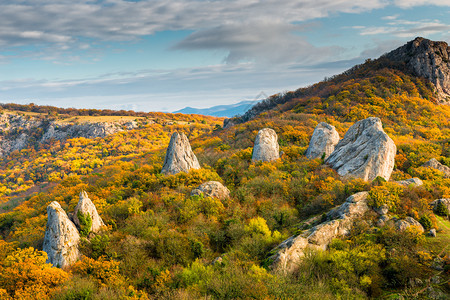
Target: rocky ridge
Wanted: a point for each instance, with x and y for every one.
(18, 131)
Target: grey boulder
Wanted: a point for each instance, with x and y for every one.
(266, 146)
(324, 139)
(213, 189)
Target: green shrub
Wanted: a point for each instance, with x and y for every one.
(85, 223)
(426, 222)
(441, 209)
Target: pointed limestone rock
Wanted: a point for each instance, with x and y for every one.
(365, 152)
(85, 206)
(324, 139)
(61, 237)
(179, 156)
(266, 146)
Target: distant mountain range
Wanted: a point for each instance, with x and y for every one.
(229, 111)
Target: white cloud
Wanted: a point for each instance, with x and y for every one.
(407, 29)
(62, 21)
(413, 3)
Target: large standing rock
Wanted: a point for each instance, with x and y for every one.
(266, 146)
(433, 163)
(324, 139)
(340, 220)
(213, 189)
(366, 151)
(86, 207)
(61, 237)
(179, 156)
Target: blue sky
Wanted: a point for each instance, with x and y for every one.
(155, 55)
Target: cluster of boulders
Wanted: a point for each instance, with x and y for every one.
(365, 152)
(62, 232)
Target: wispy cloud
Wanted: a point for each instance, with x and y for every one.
(67, 24)
(407, 29)
(413, 3)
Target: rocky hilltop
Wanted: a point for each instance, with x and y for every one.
(428, 59)
(420, 57)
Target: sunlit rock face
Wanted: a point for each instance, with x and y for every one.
(61, 237)
(365, 152)
(266, 146)
(324, 139)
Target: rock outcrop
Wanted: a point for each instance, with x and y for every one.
(339, 222)
(411, 181)
(213, 189)
(324, 139)
(402, 225)
(61, 237)
(427, 59)
(179, 156)
(433, 163)
(366, 152)
(86, 207)
(266, 146)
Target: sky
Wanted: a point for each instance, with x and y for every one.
(163, 55)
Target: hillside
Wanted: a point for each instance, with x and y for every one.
(161, 242)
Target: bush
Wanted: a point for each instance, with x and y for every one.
(441, 209)
(426, 222)
(85, 223)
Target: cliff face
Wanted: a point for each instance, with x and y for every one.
(19, 131)
(428, 59)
